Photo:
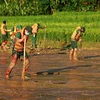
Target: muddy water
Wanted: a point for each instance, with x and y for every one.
(53, 77)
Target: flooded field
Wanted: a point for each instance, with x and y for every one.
(53, 77)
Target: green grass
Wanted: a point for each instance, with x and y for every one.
(60, 25)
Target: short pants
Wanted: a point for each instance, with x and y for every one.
(74, 44)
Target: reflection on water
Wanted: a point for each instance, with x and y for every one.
(3, 60)
(74, 79)
(16, 90)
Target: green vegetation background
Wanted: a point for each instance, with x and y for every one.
(60, 26)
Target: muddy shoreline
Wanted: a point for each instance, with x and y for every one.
(53, 77)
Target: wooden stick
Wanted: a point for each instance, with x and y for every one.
(44, 39)
(23, 71)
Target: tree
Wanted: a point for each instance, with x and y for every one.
(40, 7)
(98, 4)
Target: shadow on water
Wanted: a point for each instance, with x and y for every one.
(96, 56)
(2, 98)
(58, 70)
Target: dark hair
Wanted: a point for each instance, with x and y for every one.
(29, 29)
(4, 22)
(83, 29)
(38, 24)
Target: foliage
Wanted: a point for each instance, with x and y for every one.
(44, 7)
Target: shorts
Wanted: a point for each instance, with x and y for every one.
(4, 37)
(74, 44)
(20, 54)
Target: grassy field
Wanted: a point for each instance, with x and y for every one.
(60, 26)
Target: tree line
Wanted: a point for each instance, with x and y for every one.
(44, 7)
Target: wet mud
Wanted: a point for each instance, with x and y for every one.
(53, 77)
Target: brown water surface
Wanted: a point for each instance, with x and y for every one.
(53, 77)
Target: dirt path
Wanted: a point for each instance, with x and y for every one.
(57, 77)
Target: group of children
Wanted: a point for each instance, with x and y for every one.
(18, 37)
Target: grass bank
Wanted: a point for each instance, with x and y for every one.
(60, 25)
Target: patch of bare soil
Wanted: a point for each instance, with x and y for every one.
(52, 76)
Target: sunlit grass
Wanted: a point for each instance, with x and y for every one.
(60, 25)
